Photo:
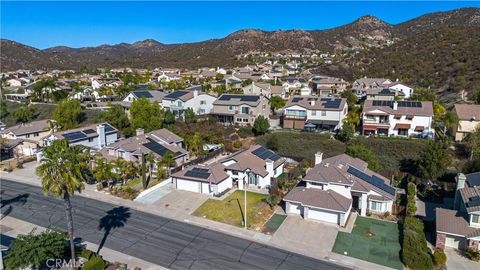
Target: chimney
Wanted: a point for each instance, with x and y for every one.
(312, 102)
(140, 131)
(461, 178)
(269, 166)
(318, 158)
(102, 139)
(195, 93)
(395, 105)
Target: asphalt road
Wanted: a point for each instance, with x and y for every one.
(155, 239)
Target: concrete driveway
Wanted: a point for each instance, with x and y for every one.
(456, 261)
(301, 235)
(182, 201)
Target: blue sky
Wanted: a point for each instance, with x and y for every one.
(78, 24)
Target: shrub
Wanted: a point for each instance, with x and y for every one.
(273, 143)
(472, 253)
(95, 262)
(411, 189)
(272, 200)
(245, 132)
(99, 187)
(439, 257)
(19, 165)
(415, 252)
(237, 144)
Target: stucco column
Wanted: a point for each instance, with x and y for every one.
(363, 209)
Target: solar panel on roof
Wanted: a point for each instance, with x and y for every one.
(249, 98)
(296, 99)
(108, 128)
(225, 97)
(157, 148)
(75, 135)
(176, 94)
(197, 174)
(374, 180)
(143, 94)
(200, 170)
(265, 154)
(89, 131)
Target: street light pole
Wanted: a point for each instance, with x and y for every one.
(245, 198)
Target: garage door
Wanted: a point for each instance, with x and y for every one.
(188, 185)
(295, 208)
(455, 242)
(322, 215)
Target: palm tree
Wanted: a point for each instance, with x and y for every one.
(62, 170)
(450, 119)
(102, 171)
(168, 162)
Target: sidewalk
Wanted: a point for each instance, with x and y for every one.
(12, 227)
(25, 176)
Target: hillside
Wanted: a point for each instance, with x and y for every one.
(437, 50)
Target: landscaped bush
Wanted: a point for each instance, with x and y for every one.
(415, 252)
(473, 254)
(94, 262)
(411, 207)
(237, 144)
(439, 257)
(272, 200)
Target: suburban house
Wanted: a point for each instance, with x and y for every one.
(460, 228)
(158, 142)
(27, 136)
(381, 89)
(264, 89)
(150, 95)
(167, 76)
(179, 101)
(326, 86)
(397, 118)
(293, 83)
(469, 120)
(233, 109)
(315, 113)
(94, 136)
(338, 185)
(252, 168)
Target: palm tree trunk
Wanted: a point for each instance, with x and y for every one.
(68, 212)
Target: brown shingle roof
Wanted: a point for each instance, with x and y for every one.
(425, 110)
(325, 199)
(468, 111)
(451, 221)
(319, 103)
(245, 159)
(27, 128)
(216, 170)
(166, 135)
(470, 197)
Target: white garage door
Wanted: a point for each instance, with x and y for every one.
(295, 208)
(455, 242)
(322, 215)
(188, 185)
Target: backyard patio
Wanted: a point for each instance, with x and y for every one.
(371, 240)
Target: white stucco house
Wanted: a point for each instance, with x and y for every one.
(178, 101)
(402, 118)
(316, 113)
(335, 187)
(94, 136)
(251, 169)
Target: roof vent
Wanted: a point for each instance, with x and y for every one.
(326, 164)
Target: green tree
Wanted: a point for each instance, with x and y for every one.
(102, 171)
(116, 117)
(34, 249)
(145, 114)
(277, 102)
(261, 125)
(473, 141)
(3, 109)
(194, 143)
(434, 160)
(68, 114)
(346, 132)
(125, 170)
(189, 116)
(358, 150)
(59, 95)
(218, 76)
(24, 114)
(350, 96)
(169, 118)
(273, 143)
(62, 172)
(449, 119)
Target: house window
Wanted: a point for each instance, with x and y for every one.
(27, 136)
(245, 120)
(239, 119)
(314, 113)
(403, 132)
(376, 206)
(252, 180)
(475, 218)
(231, 108)
(90, 139)
(324, 113)
(179, 103)
(203, 102)
(201, 111)
(234, 172)
(35, 134)
(245, 110)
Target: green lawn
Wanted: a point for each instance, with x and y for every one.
(382, 247)
(274, 223)
(230, 210)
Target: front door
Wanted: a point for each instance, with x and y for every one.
(355, 202)
(252, 180)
